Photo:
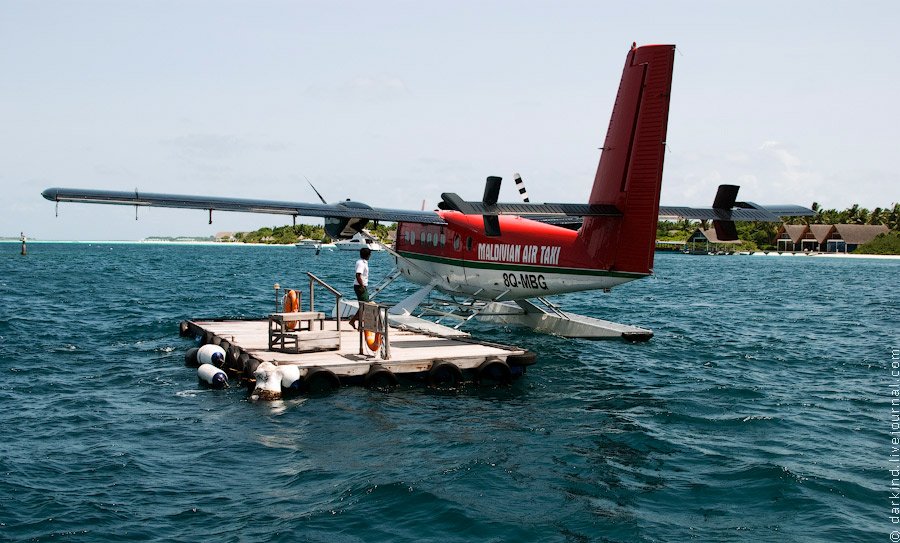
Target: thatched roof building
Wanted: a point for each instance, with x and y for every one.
(701, 235)
(704, 241)
(830, 238)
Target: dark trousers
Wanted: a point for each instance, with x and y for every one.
(362, 293)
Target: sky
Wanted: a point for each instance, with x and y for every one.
(392, 103)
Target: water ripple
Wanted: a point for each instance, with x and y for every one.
(756, 412)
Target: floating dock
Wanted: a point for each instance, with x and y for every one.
(427, 356)
(295, 351)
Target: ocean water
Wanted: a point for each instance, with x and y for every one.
(760, 411)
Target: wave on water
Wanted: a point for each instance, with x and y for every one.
(757, 411)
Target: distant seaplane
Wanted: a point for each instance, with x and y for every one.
(500, 261)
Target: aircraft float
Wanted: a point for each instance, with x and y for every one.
(500, 261)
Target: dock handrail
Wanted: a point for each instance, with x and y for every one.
(323, 283)
(312, 297)
(373, 317)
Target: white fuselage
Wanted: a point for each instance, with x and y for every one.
(496, 281)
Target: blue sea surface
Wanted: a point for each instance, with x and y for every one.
(760, 411)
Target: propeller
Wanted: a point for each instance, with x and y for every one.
(450, 201)
(725, 198)
(491, 194)
(316, 191)
(521, 186)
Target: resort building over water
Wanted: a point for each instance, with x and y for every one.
(826, 238)
(706, 241)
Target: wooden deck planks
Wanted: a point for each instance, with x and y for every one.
(410, 351)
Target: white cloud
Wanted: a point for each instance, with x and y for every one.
(790, 162)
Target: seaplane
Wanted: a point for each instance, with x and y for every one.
(502, 261)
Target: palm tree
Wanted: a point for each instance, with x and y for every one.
(817, 213)
(831, 216)
(893, 218)
(877, 216)
(862, 216)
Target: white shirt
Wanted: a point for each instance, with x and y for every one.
(362, 268)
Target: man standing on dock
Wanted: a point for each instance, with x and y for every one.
(360, 285)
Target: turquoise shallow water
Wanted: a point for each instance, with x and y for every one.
(760, 411)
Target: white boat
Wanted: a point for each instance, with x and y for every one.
(357, 242)
(314, 244)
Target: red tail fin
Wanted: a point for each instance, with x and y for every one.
(630, 172)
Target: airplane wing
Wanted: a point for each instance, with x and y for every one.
(342, 210)
(725, 208)
(742, 211)
(452, 201)
(564, 213)
(345, 217)
(723, 213)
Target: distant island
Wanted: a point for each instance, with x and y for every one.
(180, 238)
(754, 236)
(289, 235)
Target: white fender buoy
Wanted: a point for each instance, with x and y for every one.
(212, 376)
(290, 377)
(211, 354)
(268, 382)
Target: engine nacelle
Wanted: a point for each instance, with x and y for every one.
(343, 227)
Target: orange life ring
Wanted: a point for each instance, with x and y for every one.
(373, 341)
(291, 305)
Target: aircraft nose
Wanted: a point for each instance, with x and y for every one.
(50, 194)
